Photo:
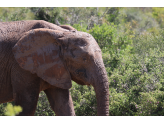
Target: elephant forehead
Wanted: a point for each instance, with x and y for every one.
(93, 45)
(77, 34)
(84, 35)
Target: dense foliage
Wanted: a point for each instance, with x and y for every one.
(132, 42)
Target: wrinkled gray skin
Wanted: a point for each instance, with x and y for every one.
(79, 53)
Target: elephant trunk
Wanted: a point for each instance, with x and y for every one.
(101, 87)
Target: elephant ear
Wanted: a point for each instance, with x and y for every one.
(38, 51)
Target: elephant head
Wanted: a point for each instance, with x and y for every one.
(59, 57)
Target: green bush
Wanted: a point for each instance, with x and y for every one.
(138, 77)
(111, 38)
(119, 104)
(12, 110)
(43, 106)
(2, 109)
(15, 14)
(151, 103)
(50, 14)
(84, 100)
(80, 28)
(158, 14)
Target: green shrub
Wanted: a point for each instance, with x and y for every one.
(151, 103)
(43, 106)
(110, 39)
(2, 109)
(119, 104)
(15, 14)
(80, 28)
(50, 14)
(112, 15)
(84, 100)
(138, 77)
(12, 110)
(141, 19)
(158, 14)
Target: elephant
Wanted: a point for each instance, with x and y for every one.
(37, 56)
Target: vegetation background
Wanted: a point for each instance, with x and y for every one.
(132, 42)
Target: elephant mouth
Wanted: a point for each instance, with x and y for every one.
(78, 81)
(80, 76)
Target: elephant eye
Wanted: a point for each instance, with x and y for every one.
(77, 72)
(80, 42)
(81, 72)
(84, 59)
(71, 51)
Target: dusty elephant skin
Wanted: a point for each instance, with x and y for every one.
(39, 56)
